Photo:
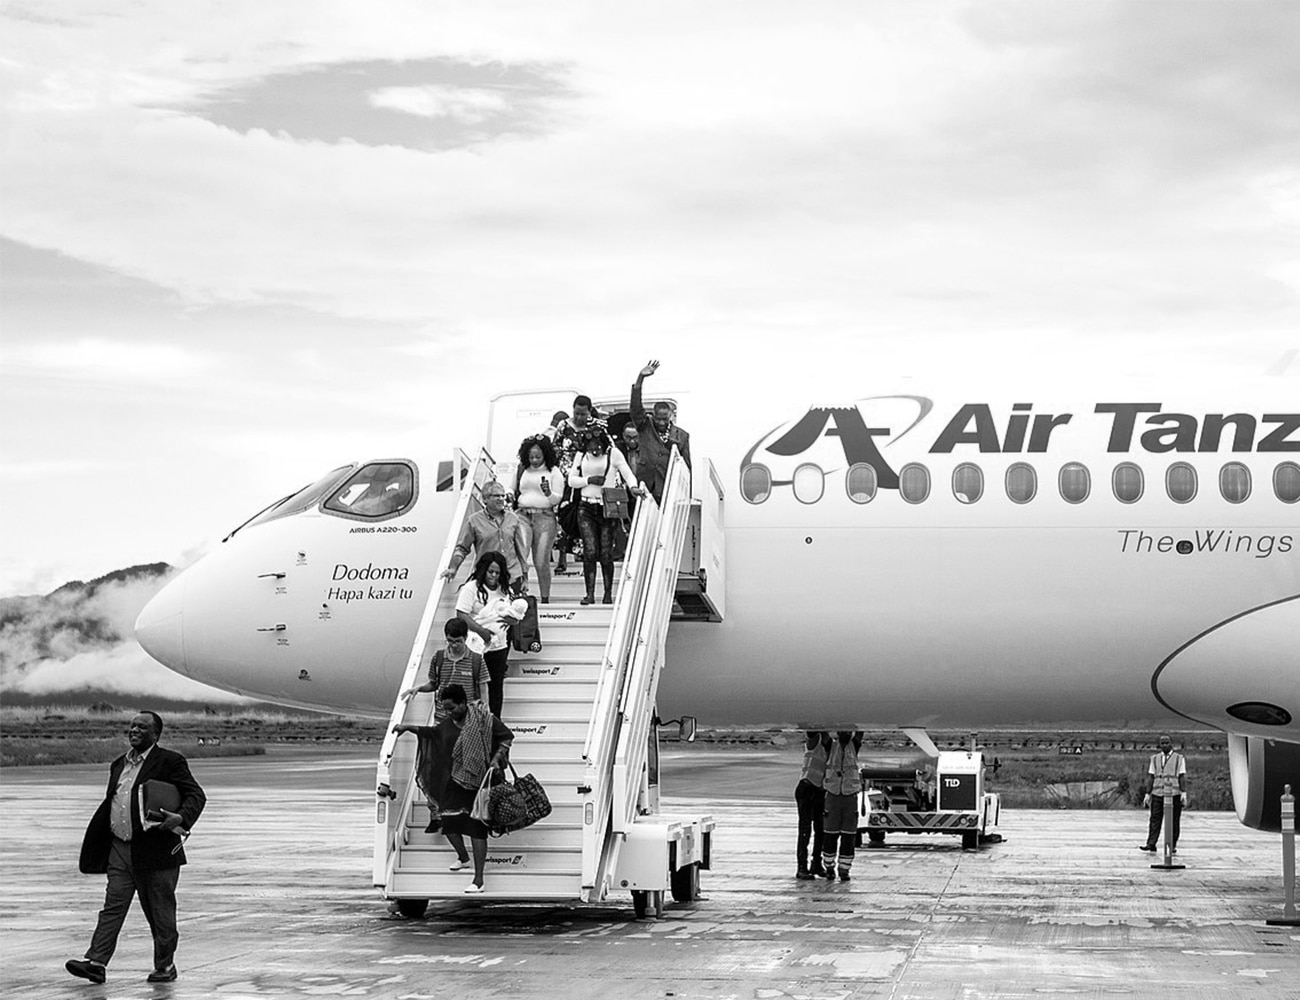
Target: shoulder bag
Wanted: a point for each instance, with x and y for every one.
(614, 498)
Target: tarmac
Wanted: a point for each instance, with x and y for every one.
(277, 901)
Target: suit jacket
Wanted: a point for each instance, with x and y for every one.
(150, 849)
(652, 469)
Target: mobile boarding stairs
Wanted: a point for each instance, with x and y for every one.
(582, 711)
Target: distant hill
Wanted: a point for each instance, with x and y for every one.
(76, 644)
(131, 574)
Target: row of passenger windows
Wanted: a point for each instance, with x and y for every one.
(1074, 481)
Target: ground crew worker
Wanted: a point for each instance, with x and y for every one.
(1166, 775)
(810, 800)
(843, 783)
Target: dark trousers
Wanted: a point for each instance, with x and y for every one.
(810, 800)
(497, 662)
(597, 545)
(1158, 819)
(157, 889)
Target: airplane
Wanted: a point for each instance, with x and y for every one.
(900, 557)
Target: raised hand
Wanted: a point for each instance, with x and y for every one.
(650, 368)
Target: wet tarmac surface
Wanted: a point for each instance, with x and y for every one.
(277, 902)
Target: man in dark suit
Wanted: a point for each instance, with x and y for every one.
(138, 855)
(658, 435)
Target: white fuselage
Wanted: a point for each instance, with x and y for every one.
(869, 609)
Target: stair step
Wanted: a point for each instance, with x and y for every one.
(527, 731)
(562, 670)
(566, 811)
(536, 837)
(500, 883)
(501, 856)
(552, 711)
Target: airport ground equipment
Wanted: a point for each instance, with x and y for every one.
(1287, 813)
(941, 791)
(582, 710)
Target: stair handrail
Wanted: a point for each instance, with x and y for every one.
(602, 729)
(642, 684)
(386, 847)
(632, 713)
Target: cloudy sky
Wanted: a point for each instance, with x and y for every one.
(243, 242)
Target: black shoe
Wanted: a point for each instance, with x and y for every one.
(844, 876)
(434, 826)
(817, 870)
(804, 875)
(167, 975)
(607, 599)
(86, 970)
(589, 599)
(829, 874)
(1149, 848)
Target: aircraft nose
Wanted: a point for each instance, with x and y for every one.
(160, 628)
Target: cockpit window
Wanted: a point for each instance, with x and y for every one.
(375, 491)
(296, 503)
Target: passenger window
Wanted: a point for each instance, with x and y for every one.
(1075, 482)
(446, 481)
(1022, 482)
(914, 482)
(377, 490)
(1127, 482)
(1234, 482)
(967, 482)
(809, 483)
(755, 483)
(1286, 482)
(1180, 482)
(860, 482)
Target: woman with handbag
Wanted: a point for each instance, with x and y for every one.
(602, 480)
(454, 759)
(539, 487)
(484, 604)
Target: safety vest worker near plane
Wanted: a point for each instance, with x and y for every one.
(1166, 776)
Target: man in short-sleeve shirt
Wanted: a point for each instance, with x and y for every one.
(1166, 775)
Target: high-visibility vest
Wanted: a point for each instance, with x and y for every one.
(1165, 771)
(842, 774)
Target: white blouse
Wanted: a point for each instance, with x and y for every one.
(531, 496)
(616, 472)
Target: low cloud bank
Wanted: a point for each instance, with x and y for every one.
(80, 637)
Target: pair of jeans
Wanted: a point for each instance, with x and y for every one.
(157, 889)
(810, 800)
(597, 545)
(498, 663)
(540, 529)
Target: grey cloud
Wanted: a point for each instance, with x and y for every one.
(334, 103)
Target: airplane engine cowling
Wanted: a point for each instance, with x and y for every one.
(1259, 769)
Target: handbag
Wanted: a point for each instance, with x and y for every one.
(516, 803)
(482, 809)
(566, 514)
(615, 500)
(526, 634)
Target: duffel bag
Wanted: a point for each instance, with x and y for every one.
(516, 803)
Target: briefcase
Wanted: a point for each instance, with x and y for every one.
(526, 634)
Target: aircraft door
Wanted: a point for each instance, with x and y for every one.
(514, 416)
(702, 573)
